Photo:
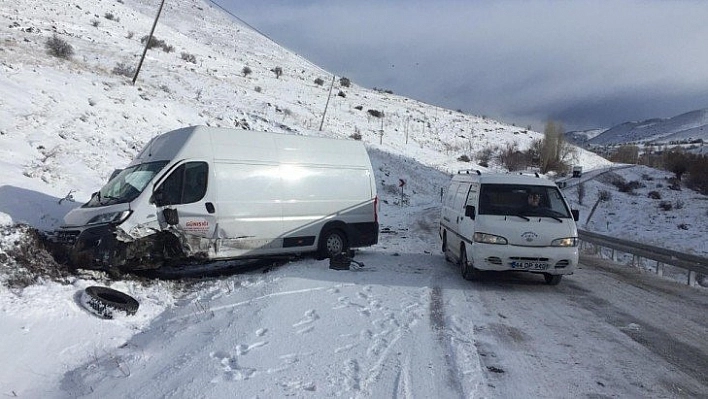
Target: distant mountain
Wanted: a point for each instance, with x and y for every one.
(689, 127)
(580, 137)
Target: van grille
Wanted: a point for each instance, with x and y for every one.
(67, 237)
(562, 264)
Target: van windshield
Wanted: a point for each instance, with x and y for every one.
(126, 185)
(522, 200)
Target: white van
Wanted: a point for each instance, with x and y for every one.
(508, 222)
(215, 193)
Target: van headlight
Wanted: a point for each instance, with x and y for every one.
(112, 217)
(489, 239)
(565, 242)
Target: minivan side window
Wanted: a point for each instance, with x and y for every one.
(186, 184)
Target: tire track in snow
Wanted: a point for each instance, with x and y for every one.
(437, 324)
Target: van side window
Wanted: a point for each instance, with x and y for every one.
(186, 184)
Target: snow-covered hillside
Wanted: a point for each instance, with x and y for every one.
(59, 118)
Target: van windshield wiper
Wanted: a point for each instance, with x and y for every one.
(106, 197)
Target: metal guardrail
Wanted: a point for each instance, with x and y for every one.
(692, 263)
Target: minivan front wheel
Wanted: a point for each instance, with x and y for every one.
(552, 279)
(468, 271)
(332, 242)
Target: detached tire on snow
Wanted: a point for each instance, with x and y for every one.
(104, 301)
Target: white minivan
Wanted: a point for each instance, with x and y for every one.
(508, 222)
(215, 193)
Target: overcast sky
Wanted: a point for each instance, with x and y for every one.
(587, 64)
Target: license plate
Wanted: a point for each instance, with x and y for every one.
(529, 265)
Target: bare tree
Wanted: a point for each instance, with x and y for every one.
(556, 154)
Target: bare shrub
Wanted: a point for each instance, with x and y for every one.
(319, 81)
(278, 71)
(258, 89)
(123, 69)
(665, 205)
(463, 158)
(109, 16)
(155, 42)
(675, 184)
(512, 158)
(58, 47)
(95, 23)
(485, 155)
(624, 186)
(654, 195)
(246, 71)
(344, 82)
(604, 195)
(188, 57)
(375, 113)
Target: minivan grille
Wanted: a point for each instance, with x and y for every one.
(528, 259)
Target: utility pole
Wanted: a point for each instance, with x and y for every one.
(147, 43)
(327, 104)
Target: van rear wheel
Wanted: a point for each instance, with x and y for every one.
(332, 242)
(468, 271)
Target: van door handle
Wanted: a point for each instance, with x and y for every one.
(210, 207)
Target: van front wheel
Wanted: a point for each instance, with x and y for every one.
(332, 242)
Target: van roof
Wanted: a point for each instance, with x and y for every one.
(204, 142)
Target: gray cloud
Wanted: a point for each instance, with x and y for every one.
(589, 63)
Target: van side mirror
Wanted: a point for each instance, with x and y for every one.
(576, 214)
(157, 197)
(170, 216)
(470, 211)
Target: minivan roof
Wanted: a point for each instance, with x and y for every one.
(504, 178)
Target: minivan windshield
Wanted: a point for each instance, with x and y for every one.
(126, 185)
(522, 200)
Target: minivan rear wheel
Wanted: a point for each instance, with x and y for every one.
(332, 242)
(444, 246)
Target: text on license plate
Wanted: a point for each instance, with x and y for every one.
(529, 265)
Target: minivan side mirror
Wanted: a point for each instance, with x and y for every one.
(470, 211)
(576, 214)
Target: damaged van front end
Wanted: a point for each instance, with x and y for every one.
(117, 227)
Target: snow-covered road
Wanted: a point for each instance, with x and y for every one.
(407, 325)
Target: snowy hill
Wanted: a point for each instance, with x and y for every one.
(67, 111)
(684, 128)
